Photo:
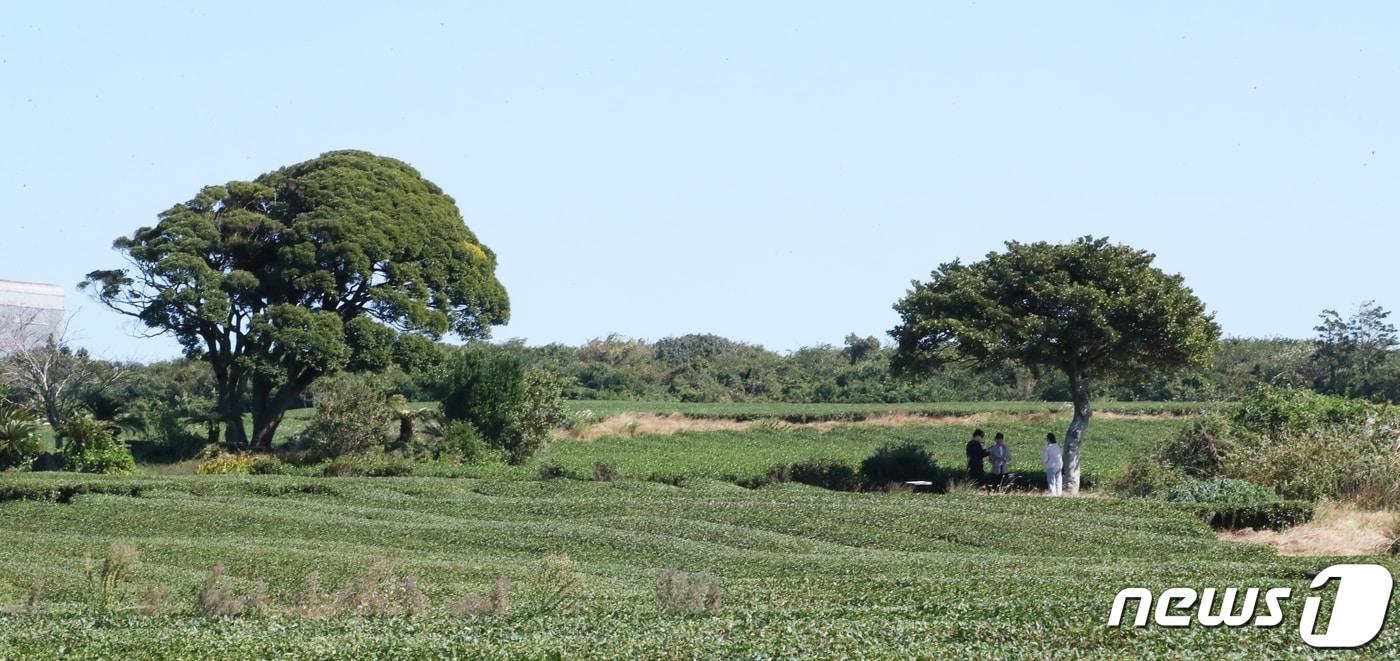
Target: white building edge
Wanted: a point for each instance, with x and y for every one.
(29, 312)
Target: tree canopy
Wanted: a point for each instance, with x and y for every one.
(348, 259)
(1088, 308)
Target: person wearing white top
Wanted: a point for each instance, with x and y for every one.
(1053, 462)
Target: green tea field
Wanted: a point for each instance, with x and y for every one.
(804, 572)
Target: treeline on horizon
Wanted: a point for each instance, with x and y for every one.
(710, 368)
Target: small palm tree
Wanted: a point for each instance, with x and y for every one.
(408, 419)
(19, 435)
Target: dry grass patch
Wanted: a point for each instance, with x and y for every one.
(633, 424)
(1336, 530)
(653, 424)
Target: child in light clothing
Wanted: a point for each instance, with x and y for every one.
(1053, 462)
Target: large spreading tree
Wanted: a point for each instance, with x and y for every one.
(1088, 309)
(346, 260)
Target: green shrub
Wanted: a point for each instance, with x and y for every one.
(1200, 449)
(513, 409)
(825, 473)
(367, 465)
(169, 429)
(1303, 445)
(1270, 410)
(484, 389)
(19, 436)
(1149, 477)
(226, 464)
(540, 410)
(449, 440)
(1221, 490)
(553, 471)
(1277, 515)
(266, 465)
(605, 472)
(352, 416)
(899, 463)
(92, 447)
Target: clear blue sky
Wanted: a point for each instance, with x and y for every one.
(772, 172)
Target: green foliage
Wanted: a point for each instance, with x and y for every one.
(825, 473)
(556, 585)
(265, 465)
(367, 465)
(540, 411)
(513, 409)
(1276, 515)
(226, 464)
(1354, 354)
(352, 416)
(484, 389)
(805, 571)
(1269, 410)
(302, 272)
(899, 463)
(19, 436)
(616, 368)
(605, 472)
(1222, 490)
(451, 440)
(1302, 444)
(745, 457)
(170, 427)
(1149, 477)
(1088, 306)
(1198, 450)
(92, 447)
(1088, 309)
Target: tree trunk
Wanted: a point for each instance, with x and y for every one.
(265, 420)
(52, 413)
(269, 407)
(265, 425)
(235, 436)
(1079, 392)
(228, 405)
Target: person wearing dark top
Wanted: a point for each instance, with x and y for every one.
(975, 456)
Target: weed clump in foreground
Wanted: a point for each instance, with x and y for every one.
(216, 598)
(31, 605)
(117, 567)
(310, 600)
(556, 585)
(678, 593)
(380, 591)
(496, 602)
(154, 600)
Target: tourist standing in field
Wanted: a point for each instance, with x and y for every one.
(1000, 455)
(975, 455)
(1053, 461)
